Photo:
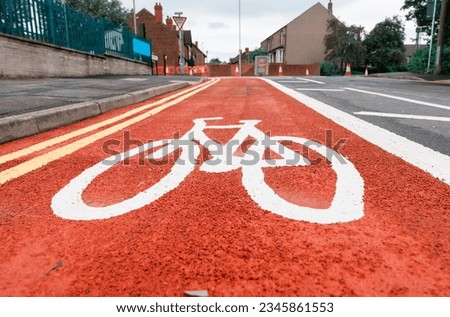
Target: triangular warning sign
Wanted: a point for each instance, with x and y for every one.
(179, 21)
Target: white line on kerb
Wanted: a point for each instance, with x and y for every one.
(401, 116)
(428, 104)
(433, 162)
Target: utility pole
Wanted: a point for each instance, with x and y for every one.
(432, 35)
(441, 36)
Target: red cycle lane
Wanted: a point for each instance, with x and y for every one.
(210, 232)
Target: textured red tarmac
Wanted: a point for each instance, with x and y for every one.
(209, 234)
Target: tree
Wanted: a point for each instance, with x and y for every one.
(417, 11)
(343, 44)
(108, 9)
(215, 61)
(257, 52)
(385, 45)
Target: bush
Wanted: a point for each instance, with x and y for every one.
(419, 61)
(329, 69)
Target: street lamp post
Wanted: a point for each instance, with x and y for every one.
(134, 16)
(240, 47)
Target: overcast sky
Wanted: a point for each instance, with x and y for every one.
(214, 24)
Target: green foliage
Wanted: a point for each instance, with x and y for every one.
(329, 69)
(257, 52)
(343, 44)
(108, 9)
(385, 45)
(417, 11)
(215, 60)
(419, 61)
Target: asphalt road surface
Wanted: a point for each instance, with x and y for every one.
(419, 111)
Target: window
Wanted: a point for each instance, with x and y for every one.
(279, 55)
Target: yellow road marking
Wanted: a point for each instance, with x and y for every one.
(45, 144)
(44, 159)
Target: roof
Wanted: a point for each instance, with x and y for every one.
(317, 5)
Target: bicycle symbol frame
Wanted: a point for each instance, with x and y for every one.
(347, 204)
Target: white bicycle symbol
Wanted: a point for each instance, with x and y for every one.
(347, 203)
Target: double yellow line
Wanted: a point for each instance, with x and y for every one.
(44, 159)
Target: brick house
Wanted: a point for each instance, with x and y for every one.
(245, 57)
(300, 42)
(164, 37)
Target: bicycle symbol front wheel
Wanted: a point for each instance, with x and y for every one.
(347, 204)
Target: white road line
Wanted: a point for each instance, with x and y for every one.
(65, 137)
(46, 158)
(319, 89)
(134, 79)
(401, 116)
(312, 81)
(428, 104)
(433, 162)
(293, 81)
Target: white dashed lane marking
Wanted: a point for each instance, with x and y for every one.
(401, 116)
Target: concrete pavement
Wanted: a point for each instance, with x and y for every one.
(31, 106)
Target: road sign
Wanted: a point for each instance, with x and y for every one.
(179, 21)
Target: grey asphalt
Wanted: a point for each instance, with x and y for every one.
(426, 99)
(31, 106)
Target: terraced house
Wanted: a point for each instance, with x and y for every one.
(300, 42)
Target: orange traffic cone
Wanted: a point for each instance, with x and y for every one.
(366, 73)
(236, 71)
(280, 71)
(307, 72)
(348, 70)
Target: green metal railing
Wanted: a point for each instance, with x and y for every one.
(53, 22)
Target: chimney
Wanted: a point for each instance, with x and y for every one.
(196, 43)
(169, 22)
(330, 6)
(158, 12)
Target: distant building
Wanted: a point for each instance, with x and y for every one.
(164, 38)
(245, 57)
(300, 42)
(197, 55)
(411, 49)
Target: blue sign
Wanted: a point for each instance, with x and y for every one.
(141, 47)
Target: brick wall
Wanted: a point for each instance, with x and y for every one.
(164, 37)
(248, 70)
(26, 58)
(294, 70)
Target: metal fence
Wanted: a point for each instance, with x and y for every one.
(53, 22)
